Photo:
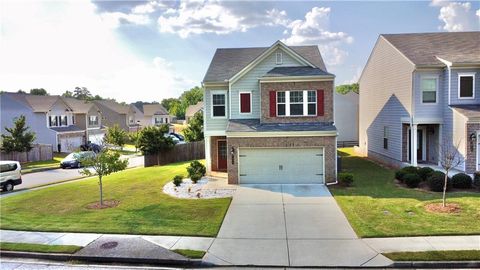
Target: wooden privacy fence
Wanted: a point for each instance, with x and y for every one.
(181, 152)
(39, 152)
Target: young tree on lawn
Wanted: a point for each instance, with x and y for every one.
(450, 158)
(153, 141)
(102, 164)
(19, 138)
(194, 131)
(116, 136)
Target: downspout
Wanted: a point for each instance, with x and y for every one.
(413, 152)
(449, 68)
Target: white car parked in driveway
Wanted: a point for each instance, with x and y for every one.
(10, 174)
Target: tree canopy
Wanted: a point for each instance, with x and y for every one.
(194, 131)
(81, 93)
(178, 106)
(19, 138)
(38, 92)
(347, 88)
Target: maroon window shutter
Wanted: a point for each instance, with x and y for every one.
(320, 103)
(273, 103)
(245, 106)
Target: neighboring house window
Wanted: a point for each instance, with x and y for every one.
(63, 120)
(73, 119)
(279, 58)
(158, 120)
(385, 137)
(312, 102)
(57, 120)
(218, 105)
(429, 90)
(93, 120)
(466, 86)
(281, 104)
(245, 103)
(298, 103)
(130, 119)
(166, 120)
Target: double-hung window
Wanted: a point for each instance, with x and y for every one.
(311, 102)
(385, 137)
(218, 105)
(297, 103)
(57, 120)
(93, 120)
(428, 87)
(281, 104)
(466, 86)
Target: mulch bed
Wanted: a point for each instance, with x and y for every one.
(450, 208)
(106, 204)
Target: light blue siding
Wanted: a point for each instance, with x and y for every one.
(454, 95)
(428, 110)
(249, 82)
(214, 123)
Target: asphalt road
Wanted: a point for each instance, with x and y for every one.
(59, 175)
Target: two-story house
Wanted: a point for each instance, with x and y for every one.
(268, 115)
(419, 91)
(152, 114)
(114, 113)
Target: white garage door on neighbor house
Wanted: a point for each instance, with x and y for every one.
(281, 165)
(70, 144)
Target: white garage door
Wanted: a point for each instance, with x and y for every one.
(281, 166)
(71, 144)
(96, 138)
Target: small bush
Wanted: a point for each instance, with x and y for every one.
(196, 168)
(345, 179)
(400, 174)
(178, 180)
(436, 181)
(425, 172)
(195, 177)
(461, 180)
(412, 180)
(476, 180)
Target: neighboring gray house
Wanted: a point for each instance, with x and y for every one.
(418, 90)
(192, 110)
(346, 118)
(114, 113)
(268, 115)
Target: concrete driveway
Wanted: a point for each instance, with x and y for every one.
(288, 225)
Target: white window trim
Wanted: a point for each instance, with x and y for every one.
(218, 92)
(305, 104)
(470, 74)
(436, 77)
(281, 58)
(297, 103)
(240, 102)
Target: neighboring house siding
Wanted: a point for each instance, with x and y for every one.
(429, 110)
(454, 96)
(36, 121)
(249, 82)
(80, 121)
(346, 116)
(110, 117)
(94, 112)
(385, 97)
(215, 124)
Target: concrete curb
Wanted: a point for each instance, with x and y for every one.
(436, 264)
(70, 257)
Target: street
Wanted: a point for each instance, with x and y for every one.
(24, 263)
(59, 175)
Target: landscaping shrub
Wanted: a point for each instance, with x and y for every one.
(461, 180)
(400, 174)
(178, 180)
(196, 170)
(412, 180)
(436, 181)
(345, 179)
(476, 180)
(425, 172)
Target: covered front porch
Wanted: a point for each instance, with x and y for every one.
(424, 139)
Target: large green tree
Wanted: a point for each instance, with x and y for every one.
(19, 138)
(153, 141)
(347, 88)
(167, 103)
(82, 93)
(38, 92)
(178, 106)
(194, 131)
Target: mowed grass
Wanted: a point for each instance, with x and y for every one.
(39, 248)
(375, 207)
(441, 255)
(29, 167)
(143, 208)
(189, 253)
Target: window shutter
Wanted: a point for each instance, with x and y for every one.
(320, 103)
(273, 103)
(49, 121)
(245, 103)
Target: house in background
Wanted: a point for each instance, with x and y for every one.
(416, 92)
(192, 110)
(346, 118)
(88, 117)
(268, 115)
(114, 113)
(151, 114)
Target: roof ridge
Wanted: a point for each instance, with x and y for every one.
(426, 33)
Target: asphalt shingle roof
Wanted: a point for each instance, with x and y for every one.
(296, 71)
(114, 106)
(423, 48)
(254, 125)
(229, 61)
(193, 109)
(469, 111)
(154, 109)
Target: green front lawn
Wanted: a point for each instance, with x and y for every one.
(143, 207)
(443, 255)
(39, 248)
(189, 253)
(34, 166)
(375, 207)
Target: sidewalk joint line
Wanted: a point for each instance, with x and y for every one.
(285, 220)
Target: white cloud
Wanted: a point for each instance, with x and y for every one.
(314, 29)
(457, 16)
(60, 45)
(115, 19)
(355, 77)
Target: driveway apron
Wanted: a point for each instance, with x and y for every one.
(288, 225)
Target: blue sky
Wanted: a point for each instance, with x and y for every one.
(148, 50)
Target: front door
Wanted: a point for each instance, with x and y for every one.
(421, 137)
(222, 155)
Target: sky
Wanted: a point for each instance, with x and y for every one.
(151, 50)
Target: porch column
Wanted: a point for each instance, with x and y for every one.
(208, 155)
(413, 144)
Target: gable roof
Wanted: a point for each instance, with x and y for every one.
(78, 106)
(422, 49)
(296, 71)
(114, 106)
(37, 103)
(154, 109)
(227, 62)
(193, 109)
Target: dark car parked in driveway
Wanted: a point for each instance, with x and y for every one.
(91, 147)
(74, 160)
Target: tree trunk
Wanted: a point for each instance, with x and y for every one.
(158, 158)
(101, 190)
(444, 199)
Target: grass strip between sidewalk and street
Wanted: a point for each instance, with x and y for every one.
(27, 247)
(36, 166)
(440, 255)
(189, 253)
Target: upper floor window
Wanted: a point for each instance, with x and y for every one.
(93, 120)
(428, 87)
(278, 58)
(158, 120)
(297, 103)
(385, 137)
(466, 86)
(57, 120)
(218, 105)
(245, 102)
(130, 119)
